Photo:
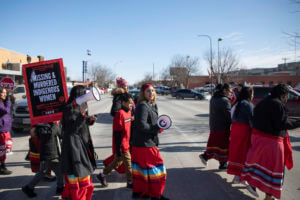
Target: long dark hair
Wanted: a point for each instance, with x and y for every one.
(76, 91)
(245, 94)
(221, 87)
(279, 90)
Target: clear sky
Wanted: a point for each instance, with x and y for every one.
(128, 36)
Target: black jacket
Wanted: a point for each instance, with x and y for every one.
(219, 112)
(271, 117)
(77, 147)
(145, 133)
(48, 134)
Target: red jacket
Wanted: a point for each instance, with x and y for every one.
(121, 131)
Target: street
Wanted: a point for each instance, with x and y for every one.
(180, 146)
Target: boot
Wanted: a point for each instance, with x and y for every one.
(28, 191)
(4, 170)
(102, 178)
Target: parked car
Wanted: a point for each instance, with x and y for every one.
(187, 93)
(206, 88)
(19, 92)
(20, 114)
(297, 87)
(135, 94)
(293, 103)
(163, 90)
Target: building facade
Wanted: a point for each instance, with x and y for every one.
(11, 64)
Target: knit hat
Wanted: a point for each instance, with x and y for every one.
(121, 82)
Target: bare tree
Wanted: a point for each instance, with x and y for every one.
(147, 79)
(102, 75)
(224, 67)
(182, 68)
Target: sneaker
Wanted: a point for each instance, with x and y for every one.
(29, 192)
(223, 166)
(4, 170)
(59, 190)
(27, 157)
(102, 180)
(252, 190)
(236, 180)
(129, 185)
(8, 153)
(203, 159)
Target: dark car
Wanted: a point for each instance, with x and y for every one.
(293, 103)
(187, 93)
(135, 94)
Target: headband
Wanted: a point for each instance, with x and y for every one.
(146, 86)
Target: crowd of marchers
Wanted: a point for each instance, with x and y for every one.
(251, 143)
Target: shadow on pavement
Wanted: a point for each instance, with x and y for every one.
(202, 115)
(182, 149)
(195, 184)
(294, 139)
(296, 148)
(25, 164)
(104, 118)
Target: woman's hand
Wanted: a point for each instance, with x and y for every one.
(83, 107)
(93, 118)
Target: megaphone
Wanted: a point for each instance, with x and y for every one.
(94, 94)
(164, 122)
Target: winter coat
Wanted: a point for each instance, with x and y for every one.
(219, 112)
(77, 147)
(145, 133)
(245, 114)
(271, 117)
(5, 117)
(48, 134)
(117, 105)
(121, 131)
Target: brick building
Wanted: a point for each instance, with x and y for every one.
(199, 81)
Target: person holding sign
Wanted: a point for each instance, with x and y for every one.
(78, 160)
(148, 169)
(5, 126)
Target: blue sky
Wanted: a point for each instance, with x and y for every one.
(128, 36)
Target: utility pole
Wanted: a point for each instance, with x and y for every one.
(84, 65)
(153, 73)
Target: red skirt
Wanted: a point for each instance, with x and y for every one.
(218, 145)
(264, 167)
(78, 188)
(34, 154)
(148, 171)
(240, 140)
(5, 145)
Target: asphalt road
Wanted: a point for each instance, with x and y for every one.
(180, 146)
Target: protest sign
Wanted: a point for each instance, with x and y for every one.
(46, 90)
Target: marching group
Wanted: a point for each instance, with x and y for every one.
(253, 141)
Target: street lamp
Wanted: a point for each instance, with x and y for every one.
(211, 65)
(84, 64)
(219, 77)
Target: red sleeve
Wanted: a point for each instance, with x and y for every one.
(118, 122)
